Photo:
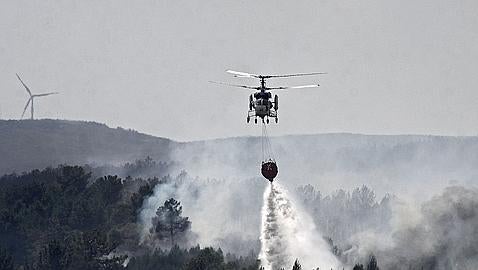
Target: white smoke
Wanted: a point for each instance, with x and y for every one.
(289, 233)
(440, 234)
(150, 206)
(224, 214)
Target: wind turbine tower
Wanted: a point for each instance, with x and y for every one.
(32, 97)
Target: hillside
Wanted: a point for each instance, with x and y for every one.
(414, 165)
(407, 164)
(29, 144)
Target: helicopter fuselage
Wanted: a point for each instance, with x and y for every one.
(260, 105)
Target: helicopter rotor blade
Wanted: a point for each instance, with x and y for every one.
(46, 94)
(294, 75)
(294, 87)
(240, 74)
(235, 85)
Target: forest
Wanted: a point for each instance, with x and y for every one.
(58, 218)
(63, 218)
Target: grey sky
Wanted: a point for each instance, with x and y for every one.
(394, 66)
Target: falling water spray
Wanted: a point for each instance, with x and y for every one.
(288, 233)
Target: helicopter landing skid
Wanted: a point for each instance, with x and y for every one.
(265, 118)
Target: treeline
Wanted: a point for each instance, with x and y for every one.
(192, 259)
(144, 168)
(342, 214)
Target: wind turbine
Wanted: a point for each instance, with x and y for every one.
(32, 97)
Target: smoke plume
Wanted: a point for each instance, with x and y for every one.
(442, 234)
(224, 214)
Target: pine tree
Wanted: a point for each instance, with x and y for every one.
(6, 260)
(372, 264)
(358, 267)
(169, 222)
(207, 259)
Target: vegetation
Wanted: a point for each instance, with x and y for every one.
(55, 219)
(60, 218)
(192, 259)
(27, 144)
(168, 222)
(6, 260)
(343, 214)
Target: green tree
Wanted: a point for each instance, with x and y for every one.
(53, 257)
(358, 267)
(372, 264)
(297, 265)
(207, 259)
(168, 222)
(59, 218)
(6, 260)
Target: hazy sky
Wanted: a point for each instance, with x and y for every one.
(394, 67)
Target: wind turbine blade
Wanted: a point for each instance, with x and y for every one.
(242, 74)
(46, 94)
(26, 87)
(26, 106)
(294, 87)
(235, 85)
(294, 75)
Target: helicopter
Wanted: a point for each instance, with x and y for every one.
(260, 103)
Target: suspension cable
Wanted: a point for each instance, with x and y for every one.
(266, 145)
(262, 141)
